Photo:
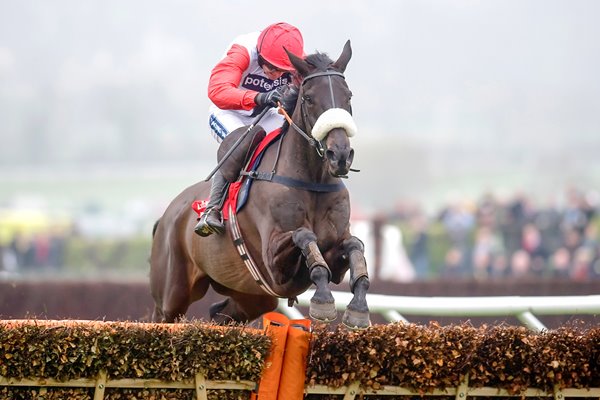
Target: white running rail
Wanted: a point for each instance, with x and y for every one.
(525, 308)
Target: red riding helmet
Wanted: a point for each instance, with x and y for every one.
(274, 38)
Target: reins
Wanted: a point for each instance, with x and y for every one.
(311, 140)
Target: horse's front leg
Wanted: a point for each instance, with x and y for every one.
(356, 315)
(322, 304)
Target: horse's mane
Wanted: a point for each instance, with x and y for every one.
(288, 102)
(320, 61)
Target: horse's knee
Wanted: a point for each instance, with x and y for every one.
(306, 240)
(302, 237)
(355, 249)
(352, 244)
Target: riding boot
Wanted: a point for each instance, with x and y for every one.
(211, 220)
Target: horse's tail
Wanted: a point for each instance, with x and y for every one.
(155, 227)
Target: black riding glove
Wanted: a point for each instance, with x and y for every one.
(269, 98)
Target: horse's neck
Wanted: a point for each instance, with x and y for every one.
(298, 158)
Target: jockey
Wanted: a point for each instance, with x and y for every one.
(251, 76)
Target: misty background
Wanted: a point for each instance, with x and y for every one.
(103, 104)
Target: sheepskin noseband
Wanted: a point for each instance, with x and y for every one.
(333, 118)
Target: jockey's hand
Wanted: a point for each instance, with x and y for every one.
(270, 98)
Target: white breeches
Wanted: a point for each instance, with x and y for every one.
(223, 122)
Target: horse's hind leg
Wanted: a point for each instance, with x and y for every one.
(241, 307)
(175, 285)
(322, 304)
(177, 300)
(356, 315)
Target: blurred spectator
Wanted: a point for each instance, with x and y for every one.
(520, 264)
(419, 253)
(581, 269)
(531, 242)
(23, 250)
(8, 261)
(499, 268)
(395, 264)
(487, 245)
(513, 219)
(577, 213)
(560, 263)
(486, 211)
(548, 221)
(458, 222)
(41, 248)
(56, 254)
(590, 239)
(453, 264)
(572, 239)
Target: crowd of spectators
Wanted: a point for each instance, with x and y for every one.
(44, 250)
(495, 239)
(487, 239)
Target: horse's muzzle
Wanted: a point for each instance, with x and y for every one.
(339, 161)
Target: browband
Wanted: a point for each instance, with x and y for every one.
(323, 73)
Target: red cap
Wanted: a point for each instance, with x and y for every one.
(274, 38)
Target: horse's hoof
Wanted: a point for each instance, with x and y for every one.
(325, 312)
(356, 320)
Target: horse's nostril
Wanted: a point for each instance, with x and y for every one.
(330, 155)
(350, 157)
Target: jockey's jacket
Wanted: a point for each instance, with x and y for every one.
(236, 79)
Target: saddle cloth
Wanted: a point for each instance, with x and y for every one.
(239, 190)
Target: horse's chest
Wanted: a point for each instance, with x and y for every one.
(323, 218)
(289, 214)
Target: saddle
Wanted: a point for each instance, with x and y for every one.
(239, 190)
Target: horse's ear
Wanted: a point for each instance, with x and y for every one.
(301, 66)
(342, 61)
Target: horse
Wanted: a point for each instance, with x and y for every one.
(295, 229)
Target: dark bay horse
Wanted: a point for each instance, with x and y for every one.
(296, 228)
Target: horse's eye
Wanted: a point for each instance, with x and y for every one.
(308, 100)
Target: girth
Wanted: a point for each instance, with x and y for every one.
(294, 183)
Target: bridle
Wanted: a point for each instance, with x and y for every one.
(314, 142)
(318, 145)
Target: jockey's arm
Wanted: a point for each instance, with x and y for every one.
(224, 79)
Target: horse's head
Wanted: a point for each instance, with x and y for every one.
(323, 108)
